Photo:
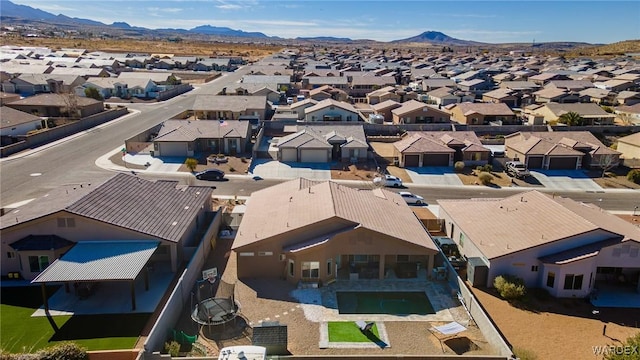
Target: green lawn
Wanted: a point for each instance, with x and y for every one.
(348, 331)
(23, 333)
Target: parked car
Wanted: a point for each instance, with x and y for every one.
(387, 180)
(411, 198)
(210, 174)
(517, 169)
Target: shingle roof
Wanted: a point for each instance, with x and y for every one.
(540, 143)
(285, 207)
(584, 109)
(52, 100)
(330, 102)
(233, 103)
(100, 260)
(11, 117)
(484, 108)
(159, 208)
(191, 130)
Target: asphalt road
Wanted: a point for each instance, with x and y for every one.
(73, 161)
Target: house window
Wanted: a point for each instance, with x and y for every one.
(461, 240)
(291, 267)
(265, 253)
(329, 267)
(476, 156)
(310, 269)
(38, 263)
(66, 222)
(534, 268)
(573, 282)
(11, 254)
(551, 279)
(247, 254)
(402, 258)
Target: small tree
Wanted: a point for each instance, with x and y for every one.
(634, 176)
(191, 164)
(607, 162)
(485, 178)
(93, 93)
(571, 119)
(509, 287)
(172, 348)
(629, 350)
(65, 350)
(458, 166)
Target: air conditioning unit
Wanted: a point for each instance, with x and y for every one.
(283, 257)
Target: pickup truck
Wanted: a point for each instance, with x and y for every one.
(516, 169)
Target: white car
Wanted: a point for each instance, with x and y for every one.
(411, 198)
(387, 180)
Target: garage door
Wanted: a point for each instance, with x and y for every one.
(557, 163)
(314, 156)
(289, 155)
(534, 162)
(411, 160)
(173, 149)
(435, 160)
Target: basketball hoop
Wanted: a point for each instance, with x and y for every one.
(210, 275)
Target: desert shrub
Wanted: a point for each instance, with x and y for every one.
(232, 169)
(172, 348)
(634, 176)
(485, 168)
(524, 354)
(191, 164)
(631, 347)
(63, 351)
(509, 287)
(458, 166)
(485, 178)
(243, 159)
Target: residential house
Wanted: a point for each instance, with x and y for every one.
(6, 98)
(436, 83)
(438, 148)
(475, 85)
(381, 95)
(327, 92)
(82, 72)
(501, 95)
(545, 77)
(590, 112)
(629, 148)
(570, 85)
(416, 112)
(555, 95)
(629, 114)
(627, 98)
(615, 85)
(569, 150)
(14, 122)
(57, 105)
(362, 85)
(597, 96)
(331, 110)
(122, 88)
(161, 79)
(182, 138)
(276, 82)
(481, 113)
(342, 236)
(554, 243)
(324, 143)
(121, 209)
(384, 109)
(31, 84)
(336, 82)
(446, 96)
(227, 107)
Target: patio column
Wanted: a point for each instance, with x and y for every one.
(430, 260)
(43, 287)
(421, 159)
(133, 295)
(381, 267)
(146, 278)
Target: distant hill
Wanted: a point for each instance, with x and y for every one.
(225, 31)
(438, 38)
(324, 39)
(615, 49)
(10, 9)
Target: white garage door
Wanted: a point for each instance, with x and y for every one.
(289, 155)
(173, 149)
(314, 156)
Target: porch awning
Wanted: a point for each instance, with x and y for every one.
(307, 244)
(579, 253)
(100, 260)
(40, 242)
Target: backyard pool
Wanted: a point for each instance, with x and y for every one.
(391, 303)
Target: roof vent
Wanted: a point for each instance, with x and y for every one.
(174, 223)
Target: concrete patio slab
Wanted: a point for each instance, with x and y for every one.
(565, 180)
(271, 169)
(434, 176)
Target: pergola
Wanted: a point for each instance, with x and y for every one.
(92, 261)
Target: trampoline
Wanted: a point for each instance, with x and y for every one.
(214, 311)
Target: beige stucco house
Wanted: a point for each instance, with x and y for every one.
(331, 110)
(629, 148)
(347, 234)
(481, 113)
(440, 148)
(416, 112)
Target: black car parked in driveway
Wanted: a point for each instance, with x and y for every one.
(210, 174)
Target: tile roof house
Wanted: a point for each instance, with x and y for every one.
(31, 84)
(501, 95)
(331, 110)
(481, 113)
(554, 243)
(228, 107)
(342, 236)
(324, 143)
(590, 112)
(381, 95)
(384, 109)
(417, 112)
(190, 137)
(6, 98)
(559, 150)
(629, 148)
(547, 95)
(14, 122)
(440, 148)
(627, 98)
(124, 207)
(629, 114)
(57, 105)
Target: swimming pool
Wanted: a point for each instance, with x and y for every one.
(384, 302)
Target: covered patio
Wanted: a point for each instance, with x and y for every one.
(103, 277)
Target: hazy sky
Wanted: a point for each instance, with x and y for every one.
(486, 21)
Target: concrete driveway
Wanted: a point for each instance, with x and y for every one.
(433, 176)
(565, 180)
(272, 169)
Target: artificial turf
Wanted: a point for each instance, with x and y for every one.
(348, 331)
(22, 333)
